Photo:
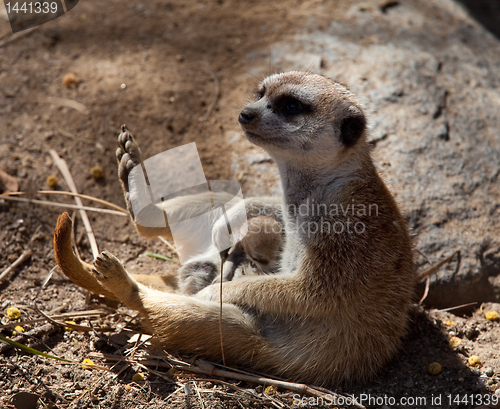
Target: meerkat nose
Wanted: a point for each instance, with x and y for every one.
(247, 116)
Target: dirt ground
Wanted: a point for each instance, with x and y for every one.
(158, 67)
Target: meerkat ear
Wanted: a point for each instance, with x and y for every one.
(351, 129)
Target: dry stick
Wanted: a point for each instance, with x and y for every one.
(21, 259)
(456, 307)
(169, 245)
(426, 291)
(35, 332)
(206, 368)
(223, 256)
(65, 193)
(437, 266)
(84, 314)
(15, 36)
(63, 168)
(74, 327)
(63, 102)
(199, 396)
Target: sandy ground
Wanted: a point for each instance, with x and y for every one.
(159, 66)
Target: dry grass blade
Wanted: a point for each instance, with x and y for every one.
(65, 205)
(74, 327)
(63, 168)
(21, 259)
(168, 244)
(64, 102)
(76, 314)
(15, 36)
(206, 368)
(456, 307)
(46, 329)
(65, 193)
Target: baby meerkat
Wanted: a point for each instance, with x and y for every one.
(263, 244)
(336, 309)
(257, 253)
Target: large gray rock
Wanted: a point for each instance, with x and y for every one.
(429, 76)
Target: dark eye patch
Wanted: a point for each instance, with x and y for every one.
(259, 259)
(290, 106)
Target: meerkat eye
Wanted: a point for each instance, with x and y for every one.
(259, 94)
(293, 107)
(259, 259)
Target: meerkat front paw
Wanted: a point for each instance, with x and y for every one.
(128, 155)
(109, 271)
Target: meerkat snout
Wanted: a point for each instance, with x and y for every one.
(247, 115)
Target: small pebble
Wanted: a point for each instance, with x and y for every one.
(454, 342)
(434, 368)
(13, 313)
(138, 377)
(474, 360)
(471, 333)
(70, 80)
(52, 181)
(492, 315)
(97, 172)
(488, 371)
(87, 363)
(409, 384)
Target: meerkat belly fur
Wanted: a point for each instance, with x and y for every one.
(337, 307)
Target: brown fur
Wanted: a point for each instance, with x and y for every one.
(336, 310)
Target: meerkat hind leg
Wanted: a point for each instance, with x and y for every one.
(109, 271)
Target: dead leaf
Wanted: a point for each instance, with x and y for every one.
(24, 400)
(8, 183)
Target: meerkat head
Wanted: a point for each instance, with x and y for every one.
(263, 243)
(304, 117)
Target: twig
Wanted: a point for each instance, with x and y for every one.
(21, 259)
(46, 329)
(83, 314)
(455, 308)
(199, 396)
(15, 36)
(74, 327)
(424, 255)
(216, 94)
(437, 266)
(168, 244)
(63, 102)
(64, 205)
(223, 257)
(65, 193)
(159, 374)
(74, 137)
(426, 290)
(63, 168)
(206, 368)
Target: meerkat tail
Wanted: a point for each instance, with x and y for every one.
(75, 269)
(80, 272)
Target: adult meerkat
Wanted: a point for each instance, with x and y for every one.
(336, 310)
